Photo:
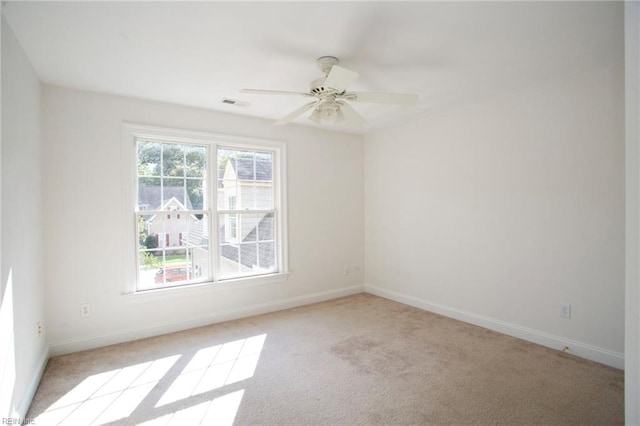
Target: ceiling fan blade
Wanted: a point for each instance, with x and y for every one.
(339, 78)
(271, 92)
(383, 98)
(295, 113)
(350, 115)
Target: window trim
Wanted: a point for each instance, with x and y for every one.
(132, 131)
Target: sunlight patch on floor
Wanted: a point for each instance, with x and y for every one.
(114, 395)
(108, 396)
(220, 411)
(214, 367)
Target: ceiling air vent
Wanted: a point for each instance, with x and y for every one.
(235, 102)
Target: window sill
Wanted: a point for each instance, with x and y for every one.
(204, 288)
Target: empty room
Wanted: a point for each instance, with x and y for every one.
(320, 213)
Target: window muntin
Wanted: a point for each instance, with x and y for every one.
(194, 162)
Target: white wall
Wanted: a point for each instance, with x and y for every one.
(632, 295)
(497, 213)
(23, 352)
(84, 217)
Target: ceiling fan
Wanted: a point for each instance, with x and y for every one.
(331, 103)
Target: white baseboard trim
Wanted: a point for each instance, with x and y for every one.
(29, 393)
(583, 350)
(76, 345)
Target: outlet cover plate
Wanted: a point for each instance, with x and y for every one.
(85, 310)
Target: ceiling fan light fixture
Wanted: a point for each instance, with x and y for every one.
(329, 112)
(316, 116)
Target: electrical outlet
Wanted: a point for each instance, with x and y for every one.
(565, 310)
(85, 310)
(39, 328)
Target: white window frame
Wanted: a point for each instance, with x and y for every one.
(131, 132)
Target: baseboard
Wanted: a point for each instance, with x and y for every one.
(583, 350)
(76, 345)
(27, 397)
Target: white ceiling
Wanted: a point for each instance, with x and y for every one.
(197, 53)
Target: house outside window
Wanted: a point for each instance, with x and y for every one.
(207, 209)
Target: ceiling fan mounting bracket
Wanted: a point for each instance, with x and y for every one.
(325, 63)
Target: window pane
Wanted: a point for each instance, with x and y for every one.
(173, 194)
(266, 227)
(241, 253)
(200, 262)
(264, 166)
(172, 160)
(195, 194)
(226, 163)
(232, 202)
(197, 230)
(248, 227)
(150, 258)
(149, 193)
(196, 161)
(247, 195)
(177, 225)
(248, 256)
(228, 231)
(264, 196)
(148, 158)
(151, 232)
(226, 177)
(149, 263)
(227, 194)
(229, 265)
(245, 166)
(267, 257)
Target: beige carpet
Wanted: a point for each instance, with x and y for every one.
(356, 360)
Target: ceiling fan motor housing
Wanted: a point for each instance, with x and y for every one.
(318, 88)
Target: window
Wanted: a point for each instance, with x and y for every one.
(207, 208)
